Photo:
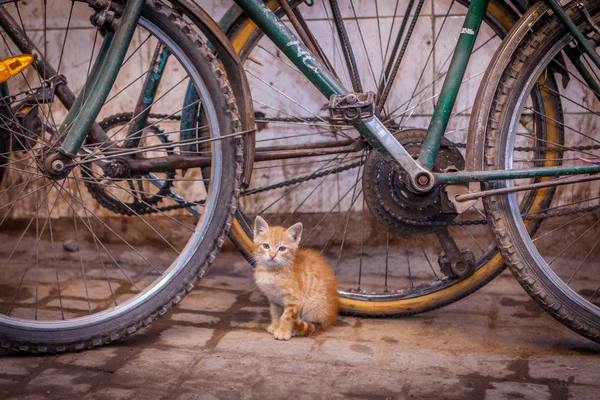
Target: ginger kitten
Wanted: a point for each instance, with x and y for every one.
(300, 286)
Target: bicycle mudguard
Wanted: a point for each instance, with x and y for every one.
(236, 75)
(485, 94)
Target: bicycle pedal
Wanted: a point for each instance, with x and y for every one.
(344, 108)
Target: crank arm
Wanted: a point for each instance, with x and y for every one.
(454, 262)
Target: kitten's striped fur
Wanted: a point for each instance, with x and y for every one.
(300, 286)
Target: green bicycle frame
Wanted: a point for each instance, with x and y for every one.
(147, 95)
(373, 130)
(81, 118)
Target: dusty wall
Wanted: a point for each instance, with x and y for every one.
(423, 60)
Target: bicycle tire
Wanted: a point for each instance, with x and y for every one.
(117, 323)
(526, 263)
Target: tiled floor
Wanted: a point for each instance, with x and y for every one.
(496, 344)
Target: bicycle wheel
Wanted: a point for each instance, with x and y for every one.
(556, 266)
(326, 192)
(81, 269)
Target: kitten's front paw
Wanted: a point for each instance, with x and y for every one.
(272, 328)
(281, 334)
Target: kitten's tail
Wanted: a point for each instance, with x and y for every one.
(303, 328)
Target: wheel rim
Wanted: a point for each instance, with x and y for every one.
(180, 255)
(577, 282)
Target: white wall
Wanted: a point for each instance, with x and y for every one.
(422, 58)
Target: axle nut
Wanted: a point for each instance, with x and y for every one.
(58, 166)
(55, 166)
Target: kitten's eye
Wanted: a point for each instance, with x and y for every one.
(282, 248)
(266, 246)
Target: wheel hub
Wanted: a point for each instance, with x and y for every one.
(55, 166)
(388, 196)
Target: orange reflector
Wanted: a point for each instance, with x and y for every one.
(12, 66)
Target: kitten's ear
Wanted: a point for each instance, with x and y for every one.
(260, 226)
(295, 232)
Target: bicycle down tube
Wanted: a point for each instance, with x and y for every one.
(374, 130)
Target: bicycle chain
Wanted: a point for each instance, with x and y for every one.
(143, 209)
(133, 208)
(304, 178)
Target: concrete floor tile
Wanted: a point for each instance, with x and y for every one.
(152, 369)
(581, 392)
(186, 337)
(201, 299)
(573, 369)
(421, 361)
(362, 383)
(263, 344)
(210, 390)
(16, 365)
(226, 367)
(251, 317)
(194, 318)
(97, 358)
(434, 387)
(345, 351)
(116, 393)
(512, 390)
(279, 386)
(59, 382)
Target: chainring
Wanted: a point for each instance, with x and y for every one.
(388, 197)
(142, 205)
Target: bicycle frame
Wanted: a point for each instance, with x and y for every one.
(377, 135)
(82, 115)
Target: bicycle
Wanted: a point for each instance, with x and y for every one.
(463, 272)
(369, 295)
(536, 204)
